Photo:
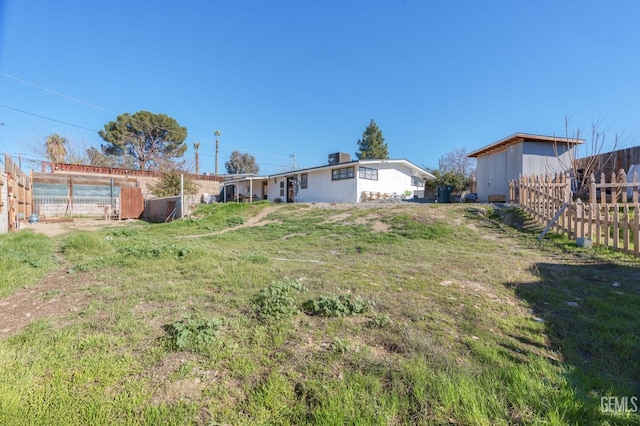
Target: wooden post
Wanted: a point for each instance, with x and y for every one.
(616, 228)
(636, 230)
(598, 231)
(625, 228)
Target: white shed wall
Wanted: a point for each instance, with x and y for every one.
(492, 171)
(544, 158)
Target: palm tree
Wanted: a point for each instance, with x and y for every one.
(56, 148)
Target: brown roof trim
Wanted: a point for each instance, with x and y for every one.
(521, 137)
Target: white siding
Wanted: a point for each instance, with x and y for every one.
(392, 178)
(321, 189)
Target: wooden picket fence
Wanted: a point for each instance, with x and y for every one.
(609, 215)
(15, 198)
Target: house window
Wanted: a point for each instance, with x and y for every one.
(345, 173)
(304, 180)
(417, 181)
(282, 189)
(367, 173)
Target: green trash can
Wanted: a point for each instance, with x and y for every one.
(444, 194)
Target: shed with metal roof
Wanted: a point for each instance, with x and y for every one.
(516, 155)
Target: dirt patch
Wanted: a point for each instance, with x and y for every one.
(54, 228)
(379, 226)
(57, 295)
(338, 218)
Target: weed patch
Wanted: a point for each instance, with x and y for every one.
(192, 333)
(277, 301)
(337, 306)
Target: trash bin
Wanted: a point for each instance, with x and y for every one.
(444, 194)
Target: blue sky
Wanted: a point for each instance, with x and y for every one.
(285, 77)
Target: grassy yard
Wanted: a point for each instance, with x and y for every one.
(390, 314)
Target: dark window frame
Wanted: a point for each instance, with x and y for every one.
(304, 180)
(343, 173)
(368, 173)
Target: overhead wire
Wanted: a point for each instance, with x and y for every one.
(71, 98)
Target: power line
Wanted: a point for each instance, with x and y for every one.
(37, 86)
(62, 95)
(47, 118)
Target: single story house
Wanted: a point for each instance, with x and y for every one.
(516, 155)
(341, 180)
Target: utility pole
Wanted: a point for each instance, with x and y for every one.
(217, 134)
(196, 145)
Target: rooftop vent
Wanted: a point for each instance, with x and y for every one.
(339, 157)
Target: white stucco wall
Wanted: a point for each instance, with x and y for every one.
(273, 189)
(391, 179)
(321, 189)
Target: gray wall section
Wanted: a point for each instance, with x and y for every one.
(545, 158)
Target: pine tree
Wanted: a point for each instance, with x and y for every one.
(372, 145)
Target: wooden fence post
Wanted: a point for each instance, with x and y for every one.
(625, 228)
(636, 230)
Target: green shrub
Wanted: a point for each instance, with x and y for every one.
(336, 306)
(192, 333)
(379, 321)
(125, 233)
(235, 221)
(277, 301)
(340, 346)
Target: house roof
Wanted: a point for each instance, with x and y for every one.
(419, 171)
(521, 137)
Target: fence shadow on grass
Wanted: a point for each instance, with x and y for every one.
(592, 315)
